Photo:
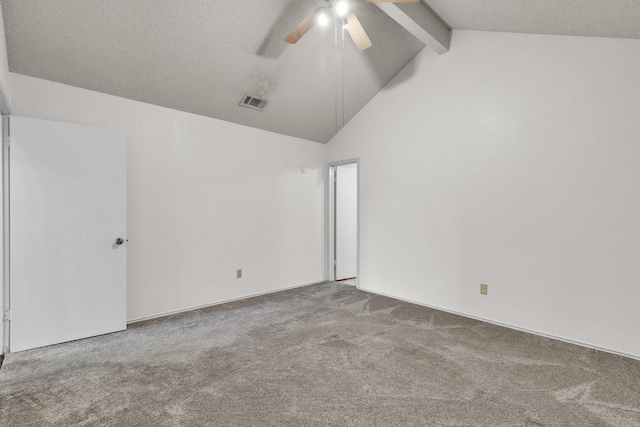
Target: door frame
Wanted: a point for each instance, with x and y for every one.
(5, 110)
(330, 218)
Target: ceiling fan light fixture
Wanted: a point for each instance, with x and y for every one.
(341, 8)
(323, 19)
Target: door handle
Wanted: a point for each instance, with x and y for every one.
(119, 241)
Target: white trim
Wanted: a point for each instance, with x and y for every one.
(507, 325)
(5, 110)
(328, 216)
(6, 266)
(211, 304)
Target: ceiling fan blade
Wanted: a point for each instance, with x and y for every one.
(357, 33)
(389, 1)
(302, 28)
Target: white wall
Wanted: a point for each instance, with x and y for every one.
(512, 160)
(347, 221)
(205, 197)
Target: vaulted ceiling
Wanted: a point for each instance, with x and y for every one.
(203, 56)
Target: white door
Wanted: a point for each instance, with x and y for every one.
(346, 221)
(67, 208)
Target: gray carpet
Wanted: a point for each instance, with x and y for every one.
(322, 355)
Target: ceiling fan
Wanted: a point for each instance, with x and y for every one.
(338, 9)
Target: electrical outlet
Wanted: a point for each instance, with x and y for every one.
(239, 273)
(484, 289)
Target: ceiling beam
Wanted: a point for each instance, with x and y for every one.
(422, 22)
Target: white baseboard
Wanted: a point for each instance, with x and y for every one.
(507, 325)
(211, 304)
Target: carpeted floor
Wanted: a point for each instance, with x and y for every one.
(322, 355)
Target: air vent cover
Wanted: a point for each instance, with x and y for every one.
(253, 102)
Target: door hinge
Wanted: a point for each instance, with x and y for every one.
(6, 315)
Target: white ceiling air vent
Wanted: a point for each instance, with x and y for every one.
(253, 102)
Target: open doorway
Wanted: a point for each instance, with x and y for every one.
(343, 254)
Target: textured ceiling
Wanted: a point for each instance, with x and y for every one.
(203, 56)
(597, 18)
